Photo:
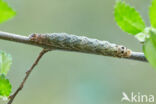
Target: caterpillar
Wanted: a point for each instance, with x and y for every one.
(70, 42)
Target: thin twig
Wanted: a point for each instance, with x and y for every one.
(68, 42)
(27, 75)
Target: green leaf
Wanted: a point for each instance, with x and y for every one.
(152, 33)
(128, 19)
(149, 50)
(5, 11)
(5, 86)
(5, 62)
(152, 13)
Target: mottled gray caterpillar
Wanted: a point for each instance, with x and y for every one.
(69, 42)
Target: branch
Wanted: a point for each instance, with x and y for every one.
(67, 42)
(27, 75)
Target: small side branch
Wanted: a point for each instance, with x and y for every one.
(68, 42)
(27, 75)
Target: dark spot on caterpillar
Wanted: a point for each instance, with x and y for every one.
(123, 51)
(122, 47)
(33, 37)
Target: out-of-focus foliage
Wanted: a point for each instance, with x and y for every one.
(152, 13)
(5, 11)
(5, 62)
(150, 51)
(5, 86)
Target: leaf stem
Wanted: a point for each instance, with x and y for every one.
(12, 97)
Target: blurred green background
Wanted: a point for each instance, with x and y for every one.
(68, 77)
